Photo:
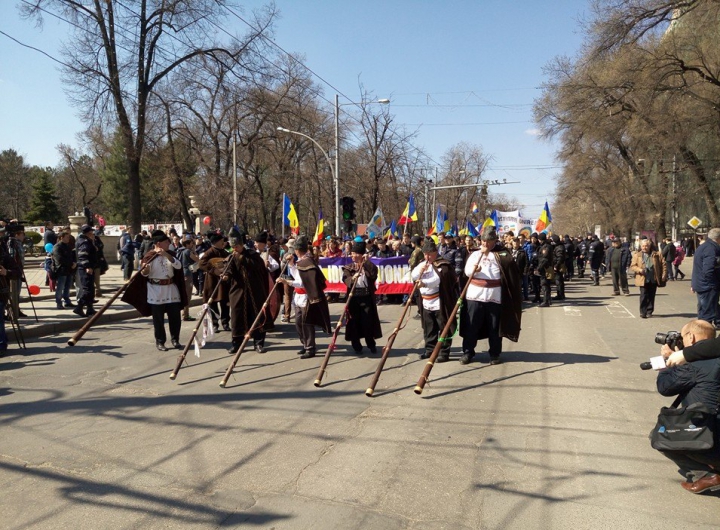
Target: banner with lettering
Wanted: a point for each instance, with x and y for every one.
(393, 275)
(515, 222)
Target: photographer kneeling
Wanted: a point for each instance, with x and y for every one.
(696, 381)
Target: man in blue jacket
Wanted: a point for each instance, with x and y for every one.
(706, 278)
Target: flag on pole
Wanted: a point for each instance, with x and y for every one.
(290, 216)
(491, 221)
(544, 222)
(319, 231)
(454, 229)
(474, 208)
(377, 224)
(392, 231)
(471, 230)
(410, 213)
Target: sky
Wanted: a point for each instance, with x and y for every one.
(454, 70)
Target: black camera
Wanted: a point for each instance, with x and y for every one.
(671, 338)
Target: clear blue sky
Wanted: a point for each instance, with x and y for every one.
(454, 70)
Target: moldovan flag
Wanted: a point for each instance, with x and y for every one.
(392, 231)
(491, 221)
(289, 216)
(319, 231)
(410, 213)
(471, 230)
(544, 222)
(474, 208)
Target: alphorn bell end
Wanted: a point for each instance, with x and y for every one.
(173, 376)
(222, 384)
(317, 383)
(369, 392)
(418, 390)
(71, 342)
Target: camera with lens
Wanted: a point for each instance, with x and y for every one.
(673, 339)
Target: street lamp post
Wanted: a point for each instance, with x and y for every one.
(332, 172)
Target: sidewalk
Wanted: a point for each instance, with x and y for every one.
(52, 321)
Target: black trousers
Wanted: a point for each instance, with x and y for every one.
(535, 279)
(433, 323)
(560, 285)
(546, 289)
(237, 324)
(694, 465)
(87, 288)
(481, 318)
(158, 315)
(581, 267)
(306, 332)
(647, 298)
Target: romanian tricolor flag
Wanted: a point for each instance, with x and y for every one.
(544, 222)
(319, 231)
(491, 221)
(474, 208)
(410, 213)
(290, 216)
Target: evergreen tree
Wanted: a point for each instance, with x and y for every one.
(43, 206)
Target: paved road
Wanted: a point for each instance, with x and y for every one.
(556, 437)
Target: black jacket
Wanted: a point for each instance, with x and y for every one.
(625, 258)
(87, 254)
(63, 259)
(697, 381)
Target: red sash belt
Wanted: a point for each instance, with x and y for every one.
(430, 296)
(300, 290)
(485, 283)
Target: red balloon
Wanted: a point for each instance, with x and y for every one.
(34, 290)
(206, 220)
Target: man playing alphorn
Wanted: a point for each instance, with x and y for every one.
(438, 294)
(363, 320)
(493, 302)
(312, 307)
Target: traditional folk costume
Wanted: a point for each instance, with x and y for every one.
(493, 301)
(438, 294)
(212, 262)
(312, 307)
(363, 320)
(270, 255)
(249, 285)
(158, 290)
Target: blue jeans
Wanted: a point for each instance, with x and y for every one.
(62, 290)
(3, 335)
(707, 304)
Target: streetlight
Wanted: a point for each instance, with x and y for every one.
(332, 172)
(383, 101)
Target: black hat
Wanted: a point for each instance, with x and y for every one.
(86, 228)
(262, 237)
(429, 245)
(416, 240)
(302, 243)
(359, 247)
(556, 239)
(215, 237)
(158, 236)
(534, 234)
(542, 236)
(236, 237)
(489, 235)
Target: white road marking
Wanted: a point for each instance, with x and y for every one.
(571, 311)
(618, 310)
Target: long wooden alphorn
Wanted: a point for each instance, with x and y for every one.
(246, 338)
(72, 341)
(446, 330)
(331, 347)
(391, 338)
(183, 355)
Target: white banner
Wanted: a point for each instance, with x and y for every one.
(515, 222)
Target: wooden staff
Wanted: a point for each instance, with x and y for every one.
(249, 333)
(391, 338)
(331, 347)
(446, 330)
(183, 355)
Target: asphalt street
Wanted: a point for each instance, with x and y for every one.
(98, 436)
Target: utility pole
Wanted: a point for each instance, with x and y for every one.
(673, 225)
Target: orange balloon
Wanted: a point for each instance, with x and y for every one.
(34, 290)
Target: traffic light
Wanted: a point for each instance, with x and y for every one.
(348, 209)
(348, 227)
